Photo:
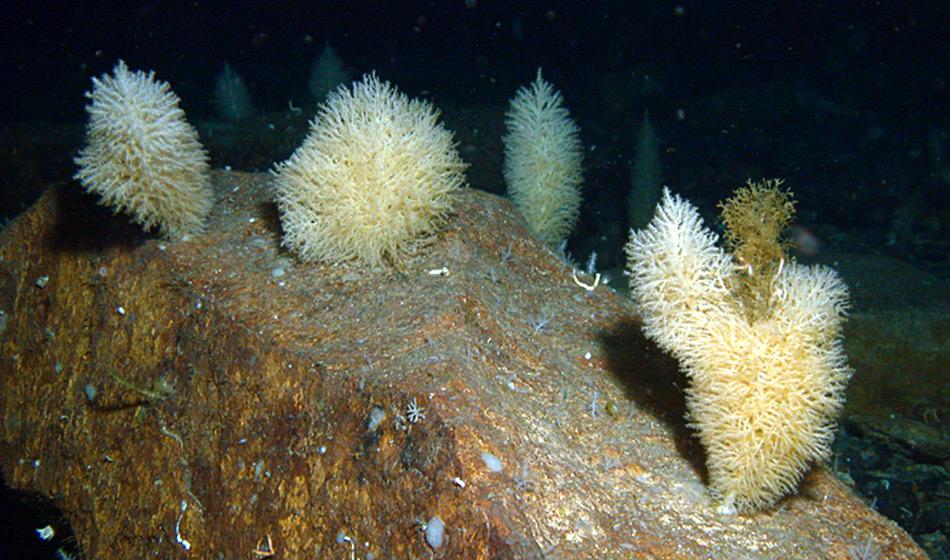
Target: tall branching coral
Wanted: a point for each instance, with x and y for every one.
(543, 154)
(758, 335)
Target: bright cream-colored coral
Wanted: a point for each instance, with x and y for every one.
(764, 391)
(543, 154)
(372, 181)
(141, 156)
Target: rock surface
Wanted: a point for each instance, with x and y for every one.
(214, 398)
(897, 337)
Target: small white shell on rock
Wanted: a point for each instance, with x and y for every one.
(435, 530)
(493, 463)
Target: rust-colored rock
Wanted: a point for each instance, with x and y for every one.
(216, 395)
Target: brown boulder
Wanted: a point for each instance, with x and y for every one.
(213, 398)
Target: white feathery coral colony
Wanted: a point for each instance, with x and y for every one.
(764, 391)
(142, 157)
(373, 181)
(543, 154)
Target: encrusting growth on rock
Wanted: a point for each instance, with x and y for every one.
(758, 335)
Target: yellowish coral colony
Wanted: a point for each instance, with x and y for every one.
(765, 387)
(373, 180)
(758, 335)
